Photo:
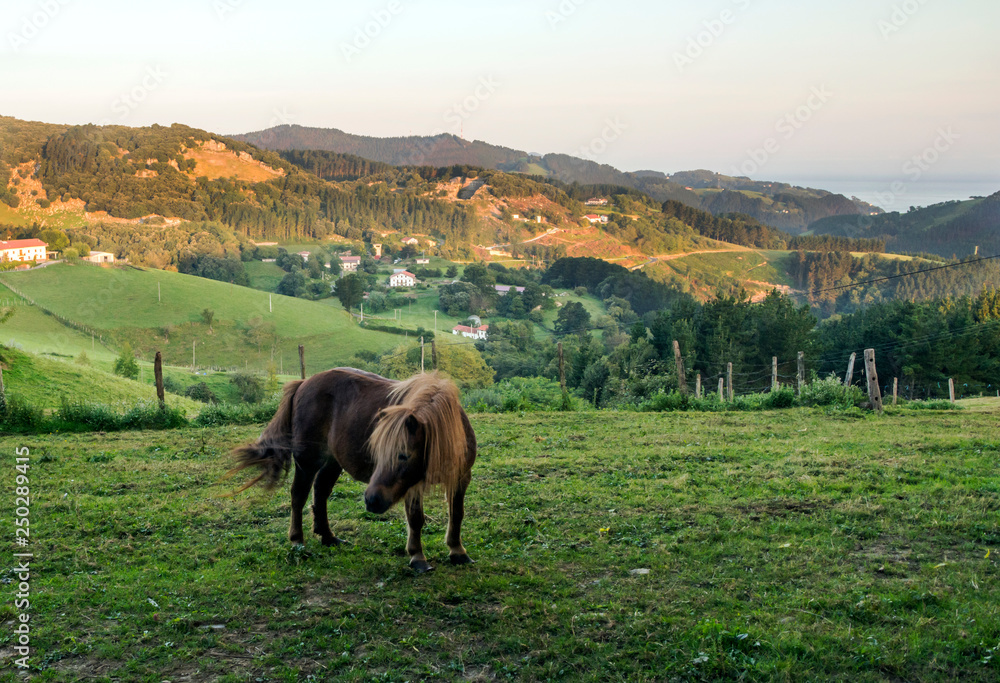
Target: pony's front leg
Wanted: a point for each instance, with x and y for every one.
(325, 481)
(414, 524)
(300, 494)
(456, 512)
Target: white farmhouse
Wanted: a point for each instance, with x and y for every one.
(23, 250)
(403, 278)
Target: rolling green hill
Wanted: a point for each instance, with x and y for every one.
(124, 305)
(46, 382)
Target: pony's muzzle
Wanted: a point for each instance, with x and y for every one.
(377, 503)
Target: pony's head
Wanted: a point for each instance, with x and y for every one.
(419, 440)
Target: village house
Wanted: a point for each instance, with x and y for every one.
(412, 241)
(100, 257)
(23, 250)
(402, 278)
(350, 264)
(478, 333)
(594, 218)
(503, 289)
(597, 202)
(423, 261)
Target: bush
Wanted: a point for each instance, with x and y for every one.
(529, 394)
(103, 418)
(125, 365)
(236, 414)
(21, 416)
(201, 392)
(831, 392)
(250, 387)
(933, 405)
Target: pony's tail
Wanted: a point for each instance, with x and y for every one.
(272, 452)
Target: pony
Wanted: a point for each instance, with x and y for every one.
(401, 438)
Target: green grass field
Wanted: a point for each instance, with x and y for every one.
(792, 546)
(45, 382)
(264, 276)
(125, 304)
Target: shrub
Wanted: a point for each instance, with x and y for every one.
(933, 405)
(201, 392)
(21, 416)
(125, 365)
(236, 414)
(250, 387)
(831, 392)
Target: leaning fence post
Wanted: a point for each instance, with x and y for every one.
(951, 389)
(729, 381)
(302, 361)
(722, 388)
(850, 370)
(697, 385)
(874, 392)
(895, 390)
(681, 379)
(802, 371)
(774, 373)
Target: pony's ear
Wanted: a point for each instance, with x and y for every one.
(412, 424)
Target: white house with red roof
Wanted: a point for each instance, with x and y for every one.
(471, 332)
(403, 278)
(594, 218)
(23, 250)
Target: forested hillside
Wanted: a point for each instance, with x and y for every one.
(948, 229)
(775, 204)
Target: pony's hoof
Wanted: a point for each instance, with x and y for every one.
(461, 559)
(333, 541)
(296, 539)
(421, 566)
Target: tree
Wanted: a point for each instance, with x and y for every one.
(125, 365)
(451, 272)
(249, 387)
(207, 316)
(350, 290)
(573, 318)
(293, 284)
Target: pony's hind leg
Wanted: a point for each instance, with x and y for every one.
(414, 524)
(456, 512)
(300, 494)
(325, 481)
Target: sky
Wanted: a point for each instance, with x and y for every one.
(772, 89)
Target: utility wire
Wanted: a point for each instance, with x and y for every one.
(902, 275)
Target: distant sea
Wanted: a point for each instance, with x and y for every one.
(899, 194)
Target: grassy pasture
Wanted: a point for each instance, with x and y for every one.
(125, 302)
(796, 545)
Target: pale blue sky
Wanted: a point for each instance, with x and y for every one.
(895, 75)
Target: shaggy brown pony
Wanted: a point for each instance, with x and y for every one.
(399, 437)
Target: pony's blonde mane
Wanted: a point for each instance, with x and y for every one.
(433, 401)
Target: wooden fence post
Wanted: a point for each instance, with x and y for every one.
(158, 374)
(951, 389)
(850, 370)
(697, 385)
(722, 388)
(895, 390)
(302, 361)
(562, 369)
(874, 391)
(774, 373)
(681, 379)
(729, 381)
(802, 371)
